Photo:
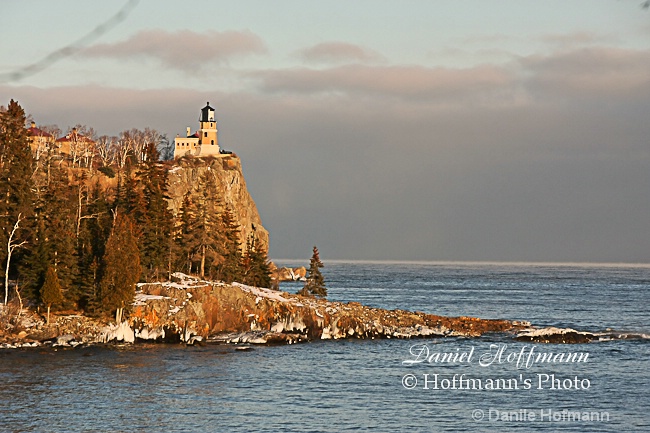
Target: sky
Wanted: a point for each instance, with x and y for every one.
(422, 130)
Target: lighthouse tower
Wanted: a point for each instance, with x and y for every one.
(208, 132)
(204, 142)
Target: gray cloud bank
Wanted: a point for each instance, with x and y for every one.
(544, 159)
(184, 49)
(339, 52)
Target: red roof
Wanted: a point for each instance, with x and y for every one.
(38, 132)
(71, 137)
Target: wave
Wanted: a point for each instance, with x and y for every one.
(615, 335)
(568, 335)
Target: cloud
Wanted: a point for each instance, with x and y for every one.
(338, 52)
(483, 39)
(576, 39)
(588, 72)
(367, 162)
(111, 110)
(184, 50)
(409, 82)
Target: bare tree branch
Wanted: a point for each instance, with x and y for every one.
(11, 246)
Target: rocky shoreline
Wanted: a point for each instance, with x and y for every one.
(192, 311)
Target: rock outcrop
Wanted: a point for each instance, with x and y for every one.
(288, 274)
(554, 335)
(31, 330)
(226, 173)
(188, 307)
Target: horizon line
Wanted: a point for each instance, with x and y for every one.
(476, 262)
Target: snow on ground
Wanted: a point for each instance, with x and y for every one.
(186, 282)
(189, 282)
(141, 298)
(263, 293)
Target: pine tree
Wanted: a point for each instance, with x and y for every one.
(91, 242)
(121, 268)
(16, 186)
(204, 238)
(88, 267)
(315, 285)
(133, 201)
(16, 164)
(55, 240)
(256, 269)
(34, 265)
(60, 217)
(119, 199)
(181, 256)
(51, 291)
(156, 221)
(100, 227)
(231, 268)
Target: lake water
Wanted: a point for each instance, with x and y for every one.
(363, 385)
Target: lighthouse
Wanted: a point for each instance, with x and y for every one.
(204, 142)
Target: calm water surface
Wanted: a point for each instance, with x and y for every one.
(358, 385)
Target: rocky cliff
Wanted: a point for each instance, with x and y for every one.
(187, 308)
(226, 173)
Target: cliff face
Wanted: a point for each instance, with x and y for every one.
(226, 173)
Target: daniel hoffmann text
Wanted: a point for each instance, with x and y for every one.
(525, 358)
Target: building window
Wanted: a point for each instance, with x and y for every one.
(205, 134)
(212, 142)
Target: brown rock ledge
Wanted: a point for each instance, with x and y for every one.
(215, 311)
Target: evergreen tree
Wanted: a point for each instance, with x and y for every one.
(16, 188)
(37, 255)
(203, 237)
(156, 221)
(88, 266)
(60, 217)
(51, 291)
(93, 234)
(121, 268)
(100, 226)
(206, 235)
(16, 164)
(55, 243)
(133, 201)
(231, 268)
(256, 269)
(119, 199)
(34, 265)
(315, 285)
(181, 259)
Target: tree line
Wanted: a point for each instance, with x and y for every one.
(69, 243)
(90, 150)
